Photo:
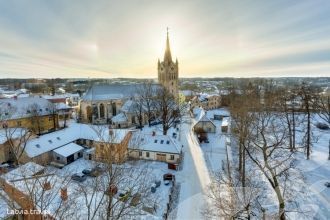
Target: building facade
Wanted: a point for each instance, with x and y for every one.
(168, 71)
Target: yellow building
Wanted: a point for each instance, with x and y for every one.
(34, 113)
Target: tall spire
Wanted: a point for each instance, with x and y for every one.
(167, 55)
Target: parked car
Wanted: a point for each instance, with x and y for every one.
(96, 171)
(87, 172)
(168, 176)
(79, 177)
(139, 126)
(322, 126)
(155, 122)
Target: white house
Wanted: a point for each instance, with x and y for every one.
(154, 147)
(204, 124)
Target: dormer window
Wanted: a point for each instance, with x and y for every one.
(155, 141)
(50, 141)
(167, 142)
(162, 141)
(58, 138)
(38, 145)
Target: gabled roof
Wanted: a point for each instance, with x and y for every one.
(111, 92)
(204, 118)
(20, 107)
(156, 143)
(120, 118)
(68, 149)
(73, 132)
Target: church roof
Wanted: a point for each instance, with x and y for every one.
(111, 92)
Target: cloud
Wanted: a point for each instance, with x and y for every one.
(102, 38)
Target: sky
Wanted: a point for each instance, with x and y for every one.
(125, 38)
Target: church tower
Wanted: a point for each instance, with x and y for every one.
(168, 71)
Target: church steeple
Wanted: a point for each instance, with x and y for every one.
(167, 55)
(168, 71)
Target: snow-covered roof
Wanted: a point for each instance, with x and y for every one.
(68, 149)
(24, 171)
(204, 118)
(156, 143)
(120, 118)
(62, 106)
(21, 107)
(50, 97)
(225, 122)
(111, 91)
(222, 112)
(74, 131)
(187, 92)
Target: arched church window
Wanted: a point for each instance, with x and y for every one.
(89, 113)
(101, 107)
(114, 109)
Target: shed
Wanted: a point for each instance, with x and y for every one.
(68, 153)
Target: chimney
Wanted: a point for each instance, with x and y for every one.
(64, 194)
(153, 133)
(47, 186)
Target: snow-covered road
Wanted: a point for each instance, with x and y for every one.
(194, 177)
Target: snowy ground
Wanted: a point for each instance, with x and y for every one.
(317, 173)
(215, 151)
(194, 176)
(156, 170)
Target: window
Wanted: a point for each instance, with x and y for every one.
(40, 110)
(19, 123)
(38, 145)
(147, 154)
(140, 153)
(79, 154)
(58, 158)
(155, 141)
(172, 157)
(50, 141)
(167, 142)
(162, 141)
(58, 138)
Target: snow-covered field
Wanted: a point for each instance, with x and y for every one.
(316, 172)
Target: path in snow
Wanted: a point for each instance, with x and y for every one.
(194, 177)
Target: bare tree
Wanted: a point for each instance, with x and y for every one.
(268, 149)
(229, 200)
(53, 112)
(40, 192)
(322, 104)
(34, 111)
(122, 191)
(168, 109)
(147, 92)
(16, 137)
(308, 97)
